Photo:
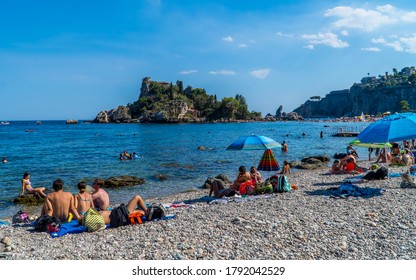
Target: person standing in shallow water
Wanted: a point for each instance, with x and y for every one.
(285, 148)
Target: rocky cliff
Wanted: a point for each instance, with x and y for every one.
(372, 96)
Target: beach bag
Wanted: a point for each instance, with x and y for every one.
(136, 218)
(247, 188)
(93, 221)
(282, 185)
(156, 211)
(381, 173)
(47, 223)
(20, 217)
(119, 216)
(369, 176)
(262, 189)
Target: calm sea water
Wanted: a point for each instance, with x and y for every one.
(88, 151)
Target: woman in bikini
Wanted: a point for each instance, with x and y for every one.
(27, 186)
(83, 200)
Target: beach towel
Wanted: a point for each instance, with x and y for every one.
(73, 227)
(346, 190)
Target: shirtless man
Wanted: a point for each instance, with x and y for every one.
(100, 197)
(59, 203)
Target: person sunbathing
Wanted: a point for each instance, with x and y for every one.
(27, 186)
(382, 157)
(336, 167)
(220, 190)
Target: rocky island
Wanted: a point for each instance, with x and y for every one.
(163, 102)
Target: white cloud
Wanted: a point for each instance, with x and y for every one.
(260, 73)
(311, 47)
(396, 45)
(344, 33)
(409, 44)
(242, 46)
(188, 72)
(228, 39)
(403, 44)
(328, 39)
(222, 72)
(281, 34)
(371, 49)
(369, 20)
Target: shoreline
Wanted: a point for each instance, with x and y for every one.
(305, 224)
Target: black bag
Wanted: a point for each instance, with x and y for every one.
(369, 176)
(43, 222)
(381, 173)
(119, 216)
(156, 211)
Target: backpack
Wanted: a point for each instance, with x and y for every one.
(136, 218)
(92, 220)
(47, 223)
(370, 175)
(156, 211)
(20, 217)
(282, 185)
(381, 173)
(119, 216)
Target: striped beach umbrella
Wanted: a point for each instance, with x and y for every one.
(268, 162)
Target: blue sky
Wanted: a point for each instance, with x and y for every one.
(72, 59)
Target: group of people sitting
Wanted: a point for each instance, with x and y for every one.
(347, 164)
(250, 181)
(65, 205)
(396, 156)
(126, 156)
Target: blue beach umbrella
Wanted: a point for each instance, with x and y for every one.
(396, 127)
(393, 128)
(254, 142)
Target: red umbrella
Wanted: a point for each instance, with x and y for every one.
(268, 162)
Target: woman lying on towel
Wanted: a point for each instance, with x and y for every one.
(220, 190)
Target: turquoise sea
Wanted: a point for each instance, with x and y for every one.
(87, 151)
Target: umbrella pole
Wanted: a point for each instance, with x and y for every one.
(385, 154)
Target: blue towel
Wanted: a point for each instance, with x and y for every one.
(73, 227)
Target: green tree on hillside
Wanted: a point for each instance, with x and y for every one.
(404, 105)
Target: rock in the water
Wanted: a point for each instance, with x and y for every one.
(121, 181)
(29, 199)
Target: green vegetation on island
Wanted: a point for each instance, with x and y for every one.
(160, 96)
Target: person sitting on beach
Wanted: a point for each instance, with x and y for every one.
(27, 186)
(395, 150)
(134, 203)
(242, 177)
(382, 156)
(352, 151)
(83, 200)
(286, 168)
(100, 197)
(255, 175)
(285, 148)
(220, 190)
(60, 204)
(336, 167)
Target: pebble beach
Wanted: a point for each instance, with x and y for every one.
(305, 224)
